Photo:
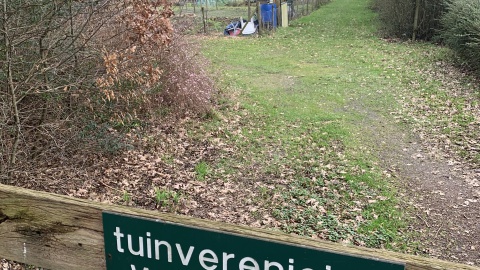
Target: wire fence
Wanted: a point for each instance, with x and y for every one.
(300, 8)
(212, 16)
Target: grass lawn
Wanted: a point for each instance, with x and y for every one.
(306, 94)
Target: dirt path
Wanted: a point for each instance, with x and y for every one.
(447, 205)
(442, 191)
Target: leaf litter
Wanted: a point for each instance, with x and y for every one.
(440, 159)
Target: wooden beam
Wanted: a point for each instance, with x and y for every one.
(59, 232)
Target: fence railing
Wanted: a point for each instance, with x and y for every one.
(61, 232)
(299, 8)
(213, 15)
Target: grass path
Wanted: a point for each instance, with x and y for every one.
(305, 89)
(325, 117)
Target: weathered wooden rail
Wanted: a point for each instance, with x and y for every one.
(60, 232)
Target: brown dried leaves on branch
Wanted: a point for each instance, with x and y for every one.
(146, 32)
(151, 64)
(150, 22)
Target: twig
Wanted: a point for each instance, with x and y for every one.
(109, 186)
(428, 226)
(441, 226)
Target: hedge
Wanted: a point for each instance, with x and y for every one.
(461, 30)
(397, 17)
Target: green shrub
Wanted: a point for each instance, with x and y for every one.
(461, 30)
(397, 17)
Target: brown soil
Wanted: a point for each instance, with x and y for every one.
(444, 196)
(440, 188)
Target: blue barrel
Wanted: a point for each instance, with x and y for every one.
(269, 14)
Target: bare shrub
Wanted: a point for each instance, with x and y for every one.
(66, 64)
(397, 17)
(46, 70)
(186, 84)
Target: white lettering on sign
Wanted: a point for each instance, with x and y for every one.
(185, 260)
(207, 258)
(290, 262)
(157, 250)
(211, 259)
(226, 257)
(132, 267)
(139, 252)
(268, 264)
(149, 246)
(119, 236)
(249, 260)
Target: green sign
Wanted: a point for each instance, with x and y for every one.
(134, 243)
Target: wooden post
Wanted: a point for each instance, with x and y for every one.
(249, 9)
(415, 20)
(273, 17)
(290, 10)
(60, 232)
(204, 21)
(279, 12)
(259, 18)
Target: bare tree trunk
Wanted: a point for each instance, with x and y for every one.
(11, 90)
(17, 132)
(72, 32)
(4, 29)
(415, 21)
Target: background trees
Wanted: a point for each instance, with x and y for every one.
(398, 17)
(454, 23)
